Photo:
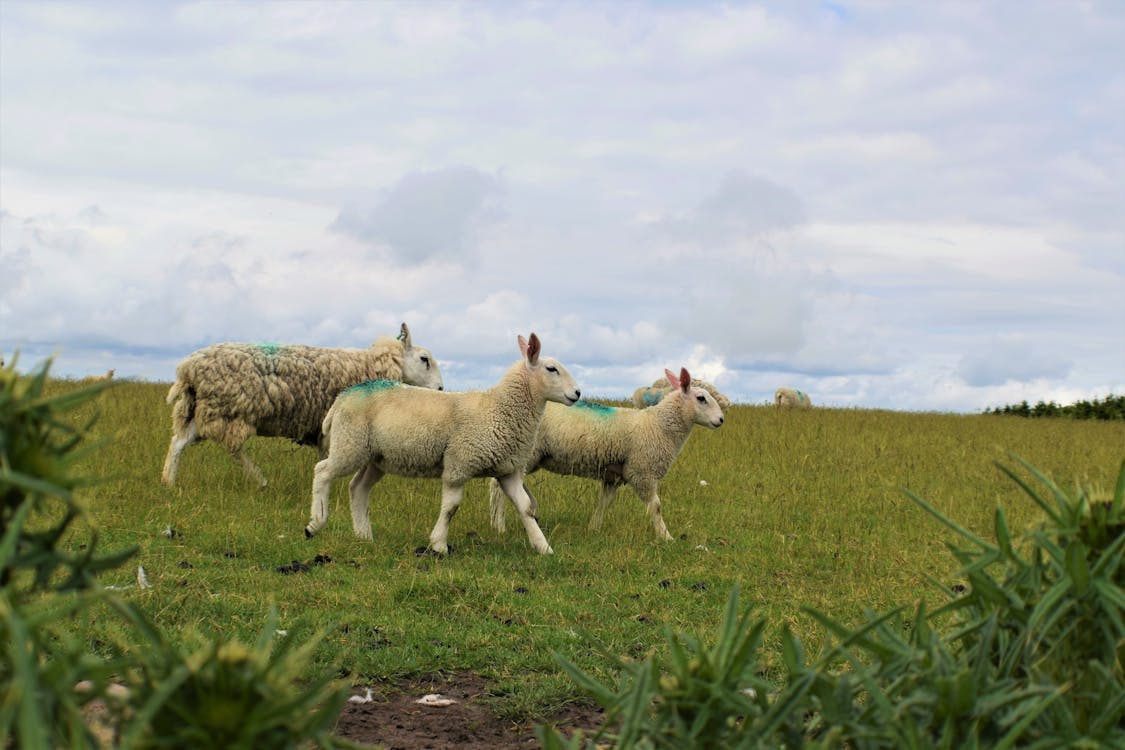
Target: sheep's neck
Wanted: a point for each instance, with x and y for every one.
(675, 423)
(521, 405)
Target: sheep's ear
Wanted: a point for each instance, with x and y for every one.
(685, 379)
(671, 378)
(523, 346)
(404, 336)
(532, 352)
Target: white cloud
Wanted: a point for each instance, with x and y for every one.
(1006, 359)
(427, 215)
(913, 206)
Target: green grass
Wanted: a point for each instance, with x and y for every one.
(799, 509)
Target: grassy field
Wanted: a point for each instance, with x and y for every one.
(798, 509)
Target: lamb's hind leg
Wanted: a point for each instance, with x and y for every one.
(360, 491)
(180, 440)
(324, 473)
(513, 487)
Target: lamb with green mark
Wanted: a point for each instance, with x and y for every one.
(618, 445)
(373, 431)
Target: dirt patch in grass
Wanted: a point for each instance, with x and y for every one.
(394, 719)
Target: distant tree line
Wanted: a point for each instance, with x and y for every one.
(1111, 407)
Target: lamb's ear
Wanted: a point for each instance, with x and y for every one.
(672, 378)
(404, 336)
(685, 379)
(523, 345)
(532, 353)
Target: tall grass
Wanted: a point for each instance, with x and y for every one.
(799, 509)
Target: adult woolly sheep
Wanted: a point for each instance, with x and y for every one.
(791, 398)
(619, 445)
(379, 428)
(655, 393)
(230, 392)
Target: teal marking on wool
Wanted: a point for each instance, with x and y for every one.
(801, 397)
(270, 350)
(368, 387)
(600, 410)
(652, 397)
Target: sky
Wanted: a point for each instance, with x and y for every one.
(915, 206)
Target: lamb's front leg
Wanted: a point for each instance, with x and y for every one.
(514, 489)
(646, 491)
(450, 501)
(609, 492)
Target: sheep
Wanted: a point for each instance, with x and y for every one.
(792, 398)
(230, 392)
(619, 445)
(379, 428)
(654, 394)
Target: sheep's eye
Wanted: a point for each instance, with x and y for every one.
(552, 368)
(701, 399)
(425, 361)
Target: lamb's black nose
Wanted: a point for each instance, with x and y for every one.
(578, 394)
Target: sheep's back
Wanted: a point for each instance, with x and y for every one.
(405, 429)
(282, 390)
(586, 439)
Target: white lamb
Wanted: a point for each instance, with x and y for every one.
(655, 393)
(791, 398)
(379, 428)
(619, 445)
(230, 392)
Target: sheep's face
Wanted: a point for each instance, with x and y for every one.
(707, 410)
(558, 384)
(420, 368)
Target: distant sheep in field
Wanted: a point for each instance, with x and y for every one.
(98, 378)
(791, 398)
(654, 394)
(230, 392)
(379, 428)
(619, 446)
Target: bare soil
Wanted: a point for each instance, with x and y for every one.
(393, 719)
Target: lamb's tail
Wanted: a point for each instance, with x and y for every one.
(182, 396)
(326, 425)
(496, 500)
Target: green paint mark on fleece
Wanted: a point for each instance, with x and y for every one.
(270, 350)
(368, 387)
(600, 410)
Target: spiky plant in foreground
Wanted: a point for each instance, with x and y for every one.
(224, 695)
(1029, 655)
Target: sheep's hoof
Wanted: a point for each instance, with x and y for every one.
(308, 534)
